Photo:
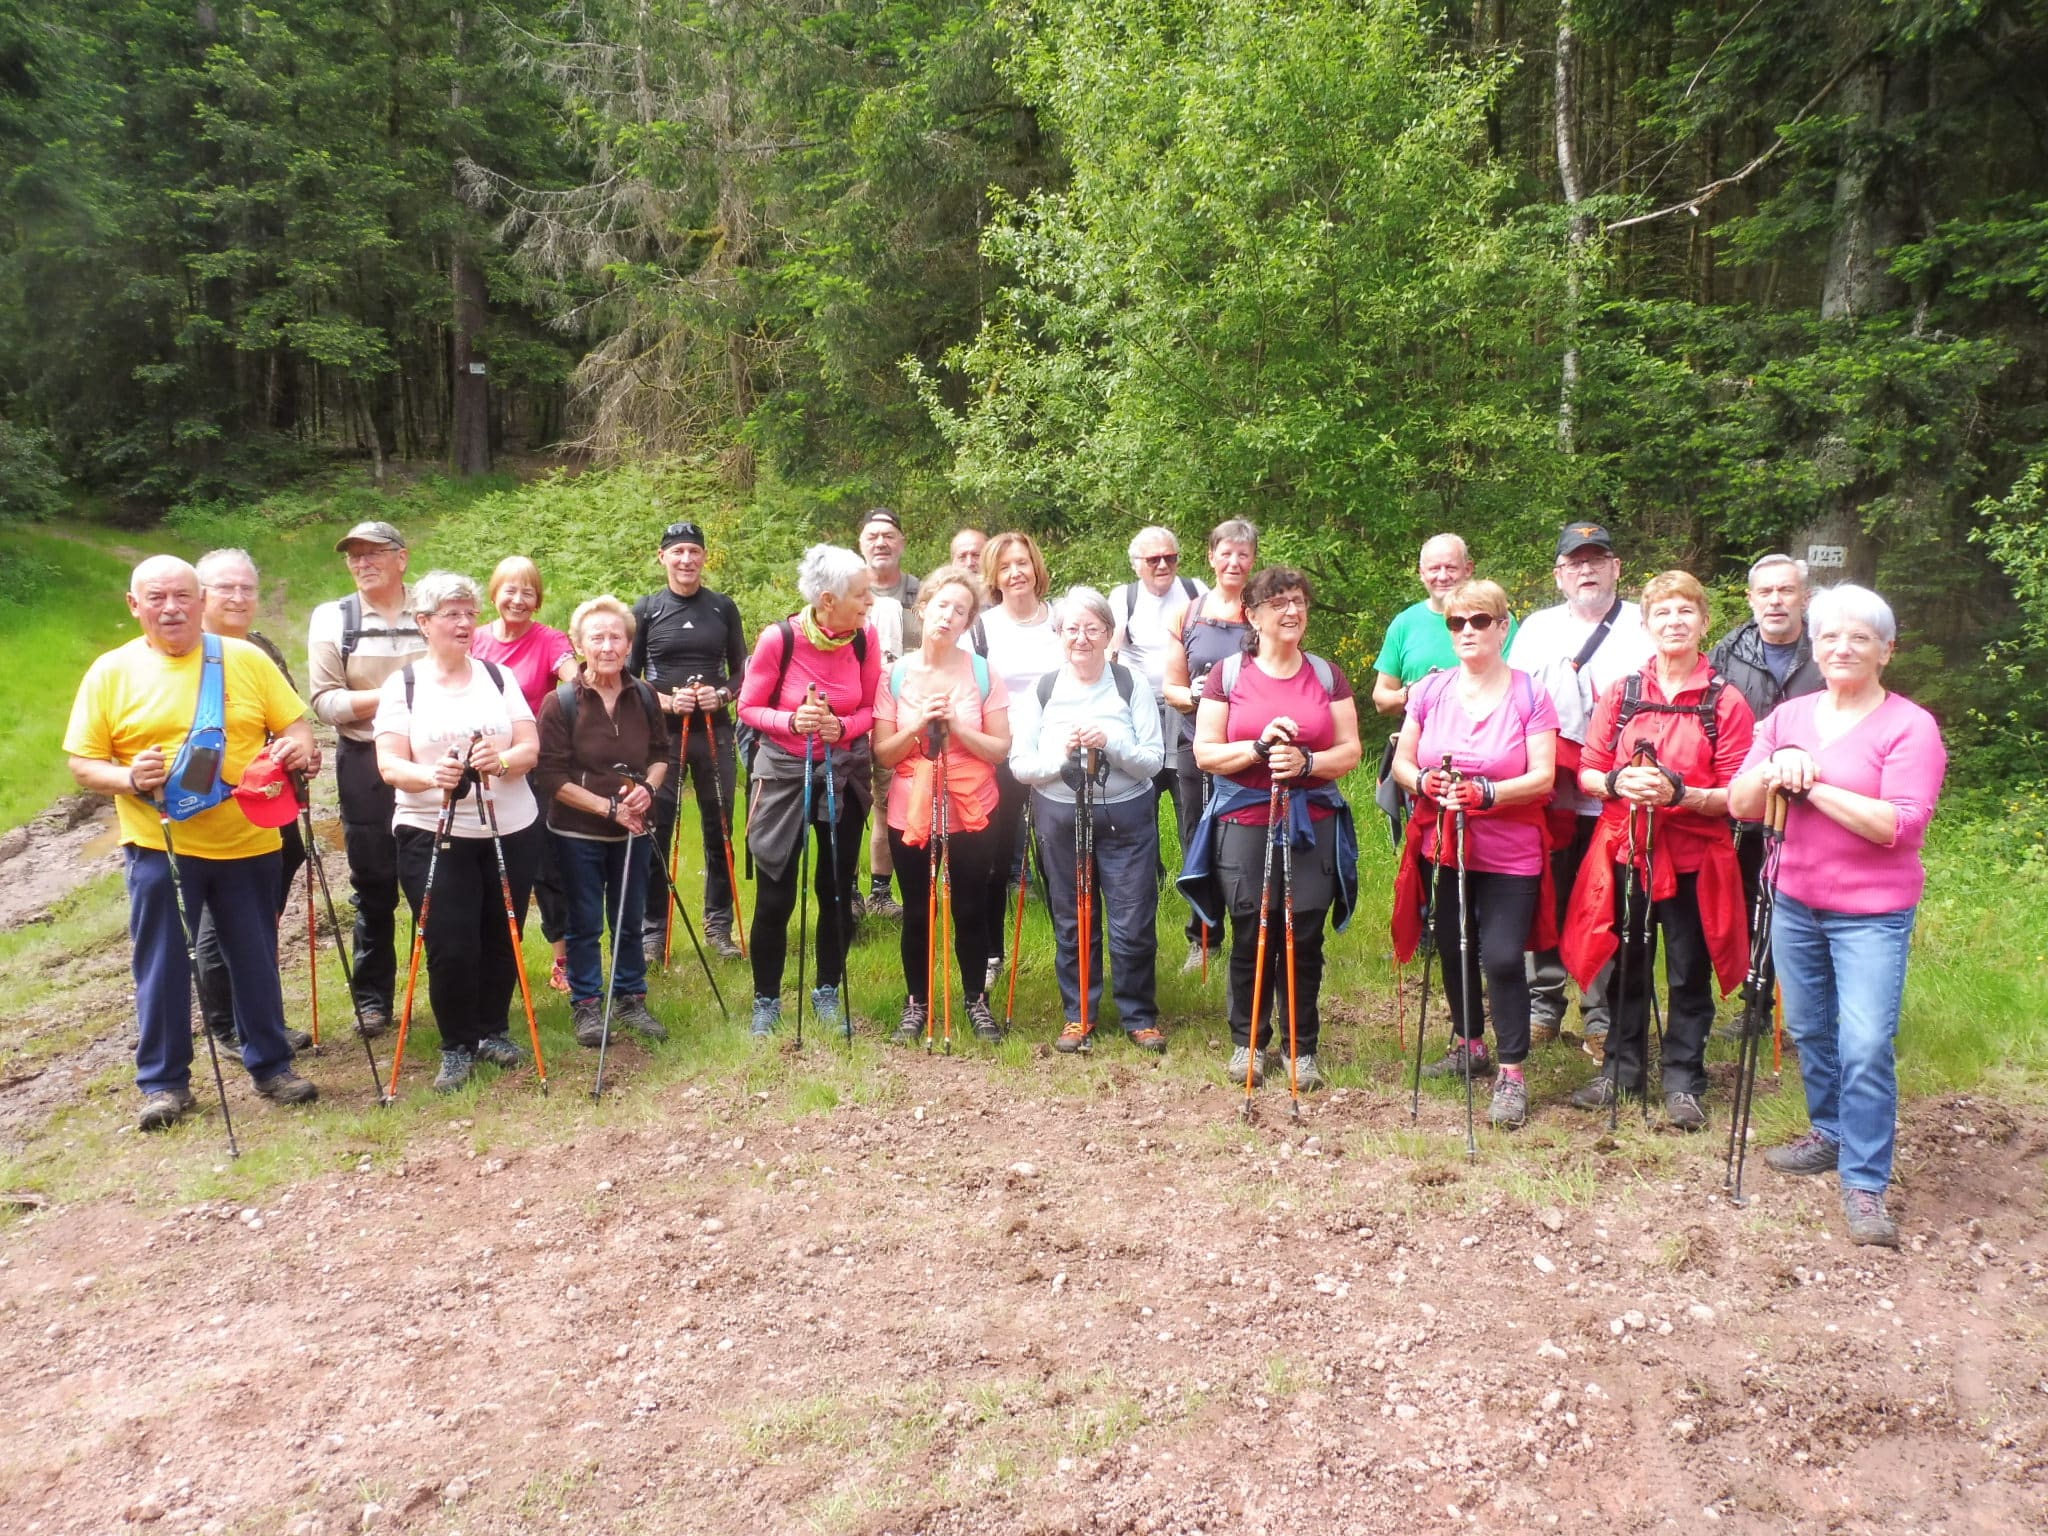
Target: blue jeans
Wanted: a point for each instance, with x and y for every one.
(1126, 894)
(590, 873)
(1843, 974)
(242, 896)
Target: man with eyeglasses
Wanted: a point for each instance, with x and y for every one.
(352, 646)
(1588, 642)
(1417, 643)
(690, 646)
(1143, 639)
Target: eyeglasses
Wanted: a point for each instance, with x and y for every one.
(1480, 622)
(1287, 604)
(1587, 562)
(1085, 632)
(231, 588)
(358, 556)
(1160, 562)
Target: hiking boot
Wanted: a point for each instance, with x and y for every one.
(1241, 1062)
(226, 1038)
(1150, 1038)
(632, 1011)
(1544, 1030)
(1192, 966)
(1811, 1154)
(498, 1051)
(909, 1028)
(767, 1014)
(285, 1086)
(1598, 1094)
(162, 1108)
(558, 976)
(984, 1021)
(1307, 1075)
(1509, 1110)
(1595, 1046)
(372, 1021)
(1869, 1222)
(831, 1012)
(1078, 1037)
(587, 1015)
(1452, 1062)
(718, 934)
(1685, 1111)
(297, 1039)
(881, 904)
(455, 1069)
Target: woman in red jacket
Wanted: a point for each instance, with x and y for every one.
(1663, 746)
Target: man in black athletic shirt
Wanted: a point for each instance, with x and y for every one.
(689, 645)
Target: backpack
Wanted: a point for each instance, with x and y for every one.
(1045, 683)
(195, 783)
(788, 629)
(569, 701)
(1233, 665)
(497, 680)
(1129, 592)
(352, 628)
(980, 675)
(1633, 703)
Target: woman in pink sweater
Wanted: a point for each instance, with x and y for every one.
(1863, 767)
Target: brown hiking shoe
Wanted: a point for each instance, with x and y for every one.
(163, 1108)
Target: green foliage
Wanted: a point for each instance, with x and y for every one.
(30, 485)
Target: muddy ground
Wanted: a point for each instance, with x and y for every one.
(982, 1301)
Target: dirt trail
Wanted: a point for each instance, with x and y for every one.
(986, 1304)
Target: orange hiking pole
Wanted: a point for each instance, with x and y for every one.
(1258, 1013)
(419, 936)
(675, 841)
(540, 1065)
(1084, 885)
(1287, 927)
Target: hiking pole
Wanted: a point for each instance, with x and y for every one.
(803, 875)
(163, 816)
(1286, 832)
(1757, 996)
(675, 841)
(939, 894)
(1259, 1012)
(1475, 1009)
(442, 824)
(677, 909)
(1436, 889)
(842, 934)
(1017, 930)
(315, 864)
(1084, 915)
(312, 945)
(1610, 1065)
(1208, 788)
(732, 879)
(604, 1038)
(1653, 1067)
(490, 816)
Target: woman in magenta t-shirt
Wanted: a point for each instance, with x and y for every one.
(1864, 768)
(1498, 732)
(538, 658)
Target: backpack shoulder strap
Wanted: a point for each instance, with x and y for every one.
(980, 672)
(497, 675)
(1187, 585)
(1233, 665)
(351, 624)
(787, 630)
(1044, 689)
(1124, 685)
(1325, 673)
(1710, 711)
(978, 631)
(568, 703)
(896, 669)
(406, 673)
(1129, 592)
(860, 645)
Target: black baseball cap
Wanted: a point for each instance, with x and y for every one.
(682, 533)
(882, 515)
(1578, 536)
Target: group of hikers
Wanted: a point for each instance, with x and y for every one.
(1573, 789)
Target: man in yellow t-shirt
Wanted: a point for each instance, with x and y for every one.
(132, 714)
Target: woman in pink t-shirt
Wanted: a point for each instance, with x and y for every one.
(942, 718)
(538, 658)
(1864, 768)
(1497, 731)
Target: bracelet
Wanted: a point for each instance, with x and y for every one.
(1262, 749)
(1308, 763)
(1488, 790)
(1613, 776)
(1677, 784)
(611, 810)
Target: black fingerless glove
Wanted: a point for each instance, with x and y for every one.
(1677, 784)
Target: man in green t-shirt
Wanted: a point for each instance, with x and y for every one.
(1417, 642)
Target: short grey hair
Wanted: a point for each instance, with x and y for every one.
(156, 567)
(214, 561)
(1859, 604)
(827, 568)
(1769, 561)
(598, 607)
(1234, 530)
(1083, 599)
(1154, 534)
(437, 588)
(1455, 541)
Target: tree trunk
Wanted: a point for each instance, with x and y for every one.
(469, 434)
(1579, 230)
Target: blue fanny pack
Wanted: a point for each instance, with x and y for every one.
(195, 783)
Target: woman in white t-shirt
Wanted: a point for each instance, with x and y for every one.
(448, 725)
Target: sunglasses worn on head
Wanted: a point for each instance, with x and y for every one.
(1480, 622)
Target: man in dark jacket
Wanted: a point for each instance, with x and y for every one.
(1769, 660)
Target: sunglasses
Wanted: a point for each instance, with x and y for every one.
(1480, 622)
(1160, 562)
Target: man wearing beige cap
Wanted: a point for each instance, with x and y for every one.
(352, 646)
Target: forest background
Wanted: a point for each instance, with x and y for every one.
(1727, 277)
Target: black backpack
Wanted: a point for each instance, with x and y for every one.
(1633, 703)
(569, 701)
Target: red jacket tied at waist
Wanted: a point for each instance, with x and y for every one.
(1589, 937)
(1411, 883)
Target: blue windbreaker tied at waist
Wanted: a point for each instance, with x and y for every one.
(1197, 879)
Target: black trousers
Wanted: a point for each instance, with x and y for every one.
(1189, 800)
(1689, 987)
(1241, 871)
(708, 748)
(775, 900)
(1500, 908)
(977, 894)
(366, 806)
(1005, 830)
(471, 970)
(216, 991)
